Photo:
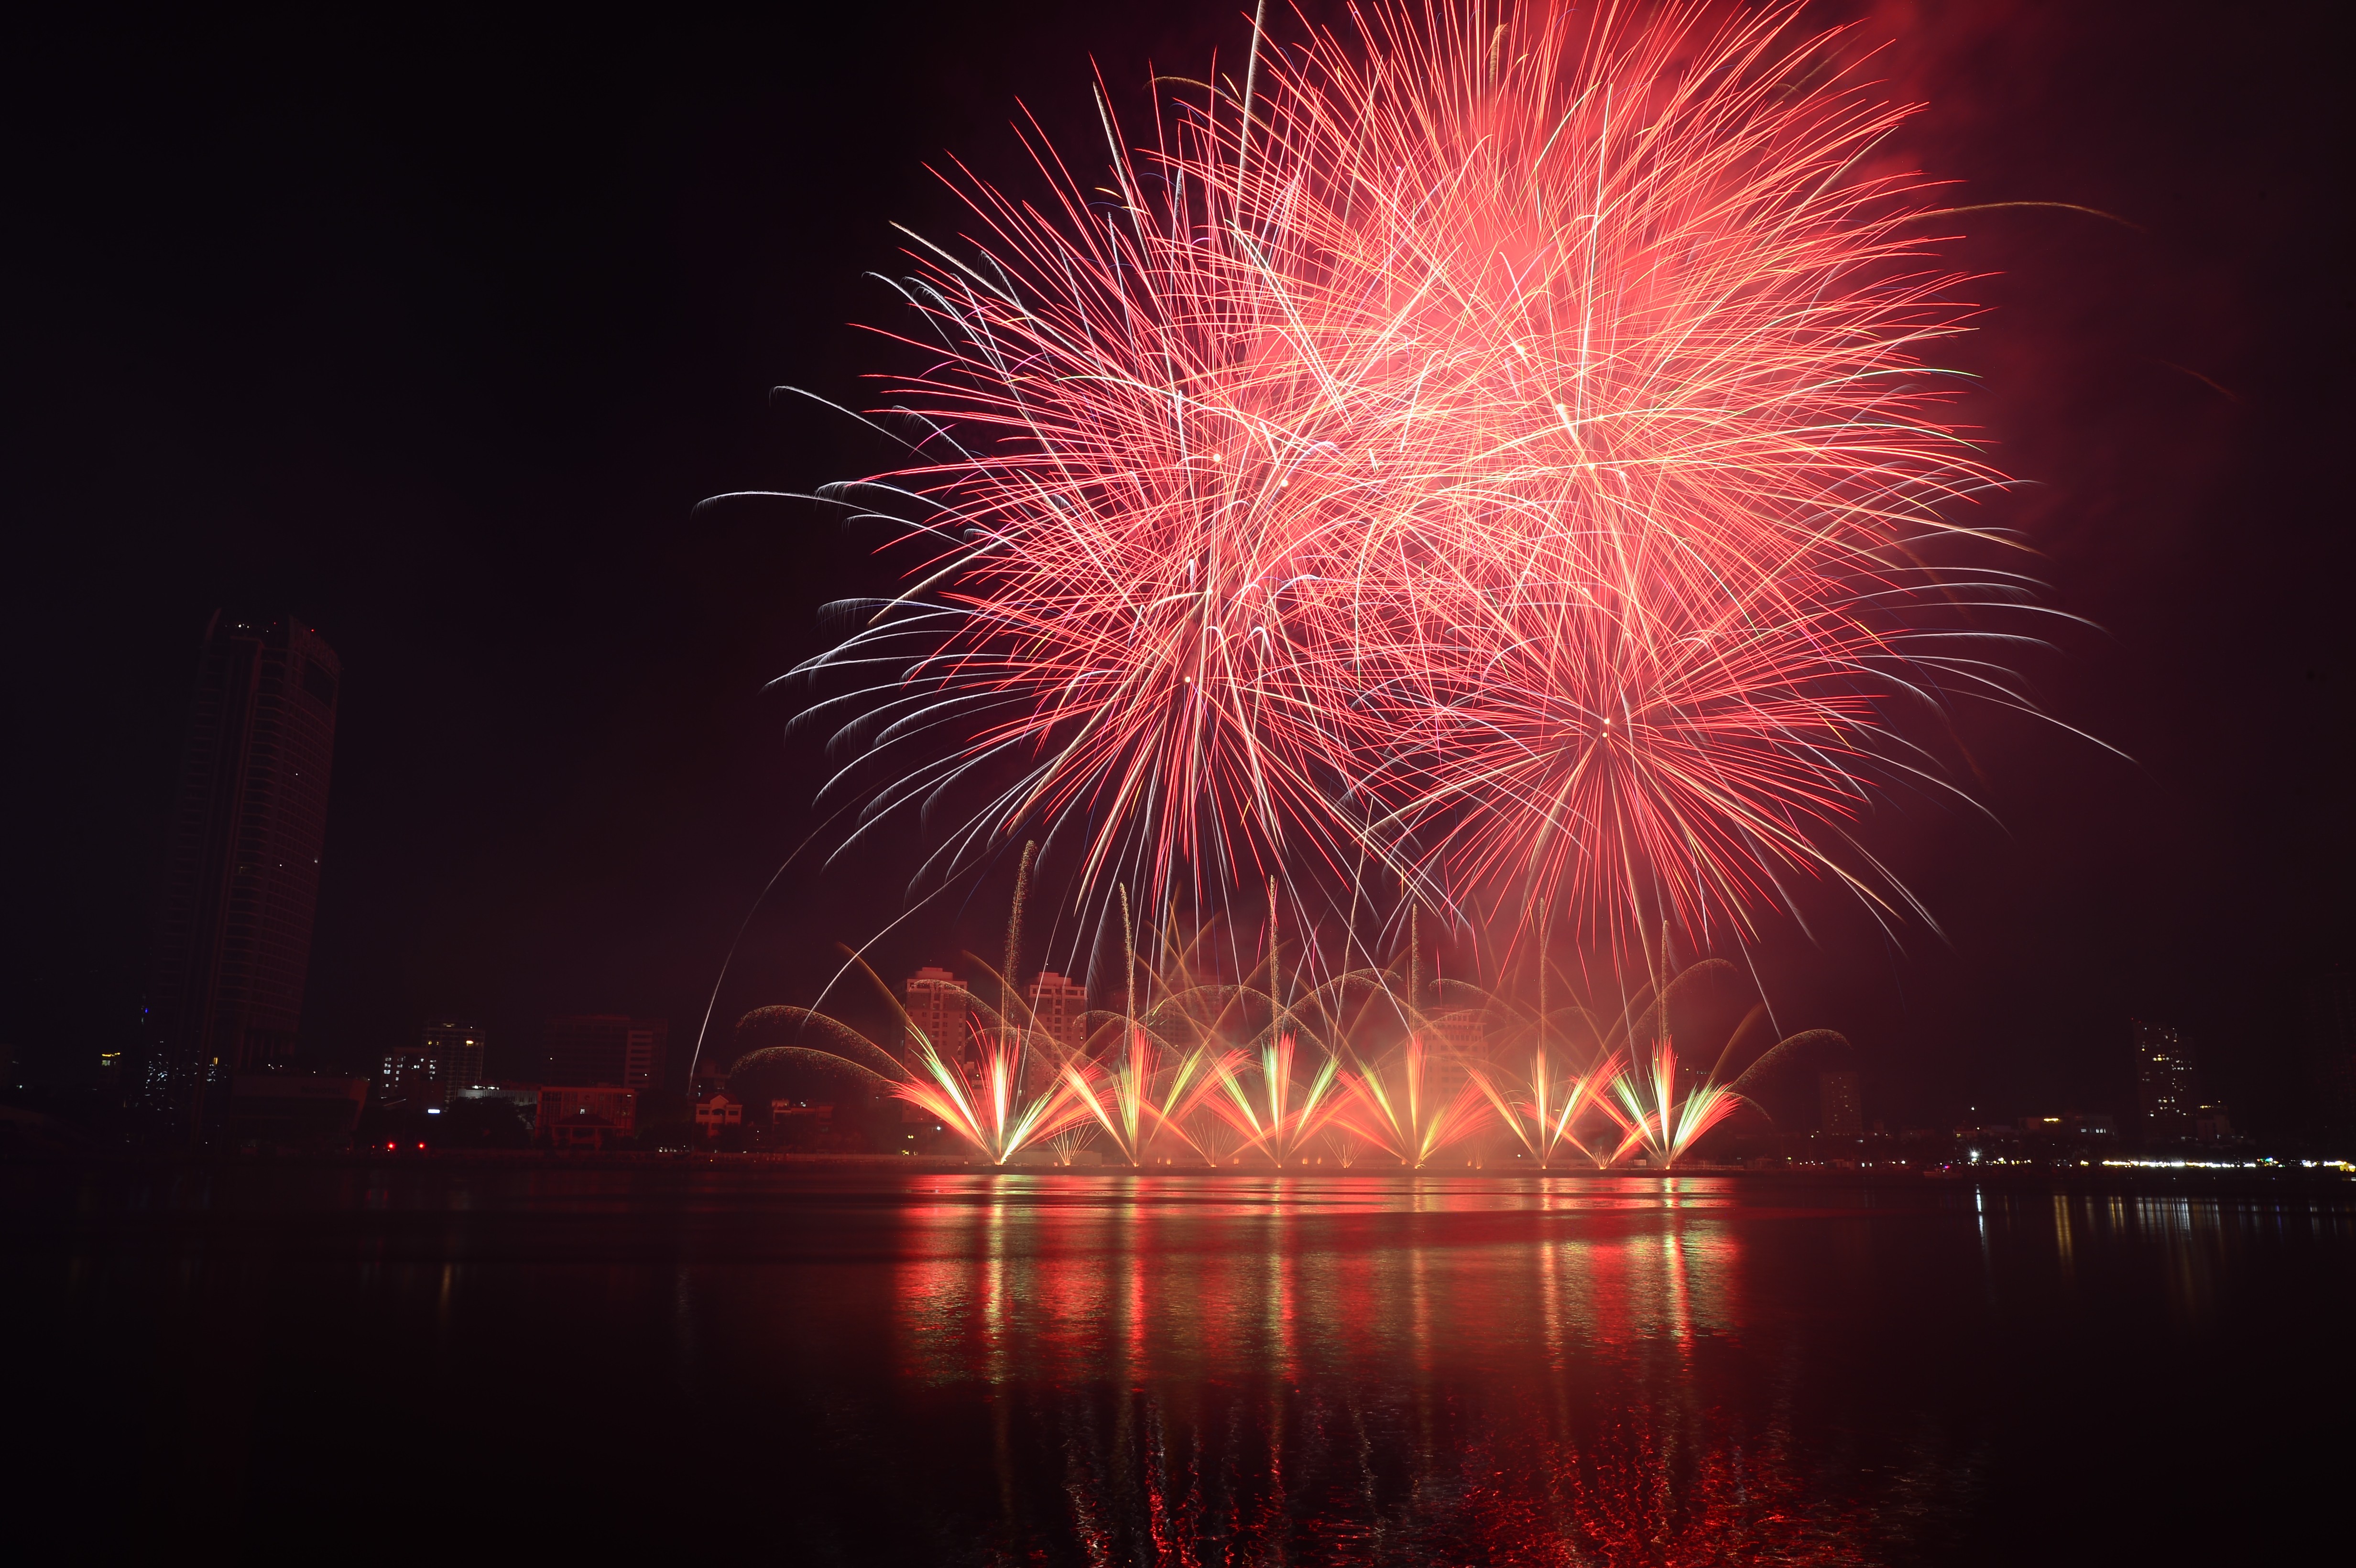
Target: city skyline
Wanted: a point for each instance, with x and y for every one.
(560, 787)
(1459, 782)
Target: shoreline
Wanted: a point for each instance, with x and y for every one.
(2323, 1176)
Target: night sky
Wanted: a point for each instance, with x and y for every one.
(432, 330)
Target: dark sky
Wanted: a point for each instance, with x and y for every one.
(433, 329)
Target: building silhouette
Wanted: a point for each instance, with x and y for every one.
(937, 1002)
(608, 1049)
(2330, 1031)
(585, 1116)
(459, 1045)
(449, 1059)
(1457, 1045)
(412, 1077)
(247, 827)
(1841, 1102)
(2168, 1096)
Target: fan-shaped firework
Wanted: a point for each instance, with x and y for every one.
(1494, 448)
(1212, 1072)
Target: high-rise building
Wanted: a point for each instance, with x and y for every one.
(2330, 1030)
(2166, 1094)
(449, 1058)
(609, 1048)
(937, 1003)
(413, 1078)
(1456, 1044)
(457, 1044)
(1841, 1101)
(1059, 1010)
(248, 824)
(644, 1053)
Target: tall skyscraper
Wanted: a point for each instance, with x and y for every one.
(606, 1048)
(1842, 1102)
(937, 1003)
(248, 822)
(2166, 1096)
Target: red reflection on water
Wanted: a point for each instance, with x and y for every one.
(1269, 1276)
(1329, 1372)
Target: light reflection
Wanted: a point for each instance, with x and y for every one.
(1294, 1368)
(1155, 1276)
(1544, 1471)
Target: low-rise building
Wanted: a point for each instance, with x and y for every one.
(585, 1115)
(801, 1112)
(524, 1097)
(715, 1113)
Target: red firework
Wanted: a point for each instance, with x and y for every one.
(1502, 457)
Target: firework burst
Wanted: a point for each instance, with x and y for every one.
(1493, 454)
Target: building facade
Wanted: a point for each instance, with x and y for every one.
(2168, 1095)
(411, 1078)
(611, 1049)
(1059, 1011)
(1840, 1102)
(449, 1059)
(717, 1113)
(585, 1115)
(247, 830)
(1458, 1044)
(937, 1003)
(458, 1045)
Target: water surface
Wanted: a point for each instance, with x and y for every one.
(1099, 1368)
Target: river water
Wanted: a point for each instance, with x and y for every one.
(1065, 1367)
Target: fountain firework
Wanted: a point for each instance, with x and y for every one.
(1211, 1072)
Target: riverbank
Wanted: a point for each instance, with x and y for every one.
(2120, 1174)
